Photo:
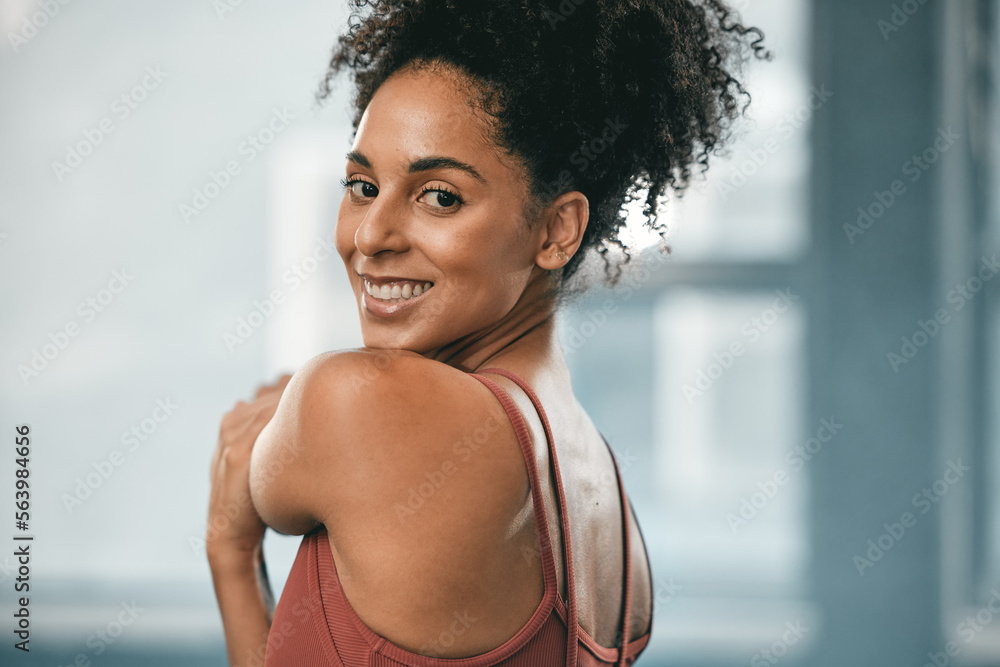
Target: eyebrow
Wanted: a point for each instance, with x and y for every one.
(424, 164)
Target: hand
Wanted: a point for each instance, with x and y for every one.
(234, 527)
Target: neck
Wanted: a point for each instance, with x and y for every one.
(528, 329)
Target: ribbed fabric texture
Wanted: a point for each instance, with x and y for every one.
(315, 625)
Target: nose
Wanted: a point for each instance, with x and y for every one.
(383, 228)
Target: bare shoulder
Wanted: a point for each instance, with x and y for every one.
(355, 427)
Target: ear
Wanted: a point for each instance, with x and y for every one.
(563, 224)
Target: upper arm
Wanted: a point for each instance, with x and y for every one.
(355, 429)
(278, 458)
(295, 459)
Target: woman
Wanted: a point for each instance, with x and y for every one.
(450, 518)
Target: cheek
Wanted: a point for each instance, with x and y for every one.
(491, 273)
(344, 232)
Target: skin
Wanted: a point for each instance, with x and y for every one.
(350, 434)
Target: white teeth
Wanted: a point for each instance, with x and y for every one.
(396, 292)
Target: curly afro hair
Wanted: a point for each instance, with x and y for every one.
(607, 97)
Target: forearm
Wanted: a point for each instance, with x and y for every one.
(245, 602)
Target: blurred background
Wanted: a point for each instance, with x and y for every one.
(803, 399)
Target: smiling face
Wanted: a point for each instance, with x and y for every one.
(431, 226)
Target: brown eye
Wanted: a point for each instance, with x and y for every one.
(444, 199)
(440, 198)
(363, 189)
(359, 188)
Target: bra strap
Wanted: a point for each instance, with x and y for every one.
(623, 651)
(573, 627)
(541, 521)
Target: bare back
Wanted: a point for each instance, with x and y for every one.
(470, 545)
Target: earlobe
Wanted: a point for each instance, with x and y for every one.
(552, 257)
